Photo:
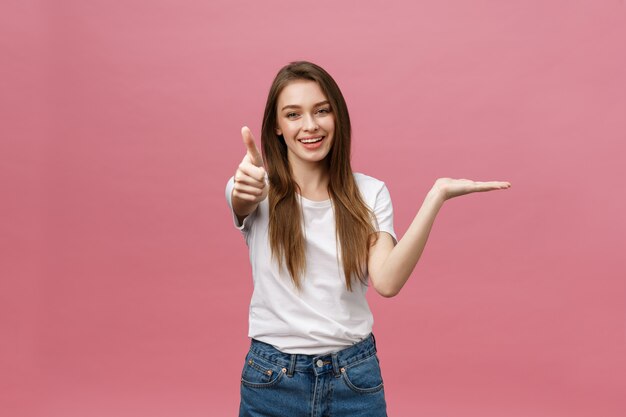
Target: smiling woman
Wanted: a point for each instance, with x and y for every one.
(329, 230)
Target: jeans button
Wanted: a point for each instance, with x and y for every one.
(319, 363)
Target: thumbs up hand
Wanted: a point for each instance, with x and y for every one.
(250, 185)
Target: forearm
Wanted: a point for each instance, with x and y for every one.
(402, 259)
(242, 208)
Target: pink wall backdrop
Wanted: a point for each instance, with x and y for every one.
(124, 287)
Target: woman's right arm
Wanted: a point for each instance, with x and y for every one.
(250, 180)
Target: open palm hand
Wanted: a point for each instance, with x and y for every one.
(450, 188)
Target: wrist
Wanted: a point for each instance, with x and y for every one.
(437, 194)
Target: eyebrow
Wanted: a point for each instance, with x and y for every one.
(295, 106)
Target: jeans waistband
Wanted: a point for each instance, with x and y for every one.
(319, 364)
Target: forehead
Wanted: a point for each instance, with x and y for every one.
(301, 93)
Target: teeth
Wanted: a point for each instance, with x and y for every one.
(310, 140)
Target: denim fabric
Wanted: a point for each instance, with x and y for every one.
(344, 383)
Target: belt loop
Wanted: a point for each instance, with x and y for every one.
(335, 361)
(292, 365)
(374, 339)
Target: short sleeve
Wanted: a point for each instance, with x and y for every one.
(247, 222)
(383, 210)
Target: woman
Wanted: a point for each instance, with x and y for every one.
(316, 232)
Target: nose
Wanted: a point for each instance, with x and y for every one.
(309, 123)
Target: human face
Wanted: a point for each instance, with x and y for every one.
(303, 112)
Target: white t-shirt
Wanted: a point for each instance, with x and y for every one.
(324, 316)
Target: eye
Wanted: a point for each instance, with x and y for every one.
(292, 115)
(324, 110)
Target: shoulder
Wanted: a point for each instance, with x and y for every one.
(371, 188)
(366, 182)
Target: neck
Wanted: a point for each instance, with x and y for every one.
(311, 177)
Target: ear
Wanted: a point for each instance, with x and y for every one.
(279, 132)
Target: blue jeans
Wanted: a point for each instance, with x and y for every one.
(344, 383)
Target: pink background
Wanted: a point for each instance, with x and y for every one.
(124, 286)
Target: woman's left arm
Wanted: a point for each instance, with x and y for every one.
(390, 266)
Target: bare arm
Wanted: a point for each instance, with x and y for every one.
(390, 267)
(241, 207)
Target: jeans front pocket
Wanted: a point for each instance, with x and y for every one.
(363, 376)
(259, 373)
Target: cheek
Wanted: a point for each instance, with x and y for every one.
(331, 127)
(331, 123)
(288, 127)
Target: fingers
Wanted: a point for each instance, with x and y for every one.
(247, 187)
(250, 180)
(249, 174)
(253, 152)
(491, 185)
(250, 190)
(498, 184)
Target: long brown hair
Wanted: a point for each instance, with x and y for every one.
(353, 218)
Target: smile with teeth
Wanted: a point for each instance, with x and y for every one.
(311, 140)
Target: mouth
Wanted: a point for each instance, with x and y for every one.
(312, 143)
(312, 139)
